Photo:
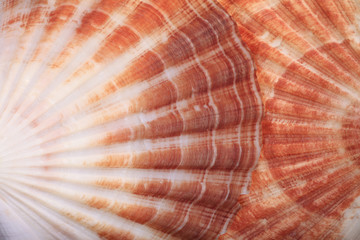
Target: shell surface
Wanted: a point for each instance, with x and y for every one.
(307, 55)
(123, 119)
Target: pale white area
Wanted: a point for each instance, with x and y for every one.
(48, 52)
(12, 226)
(335, 125)
(62, 203)
(47, 223)
(76, 58)
(341, 150)
(351, 221)
(355, 28)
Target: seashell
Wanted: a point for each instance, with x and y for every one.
(307, 54)
(123, 119)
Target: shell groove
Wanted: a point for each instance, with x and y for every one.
(123, 119)
(307, 54)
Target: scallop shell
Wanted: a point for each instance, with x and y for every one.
(307, 54)
(123, 119)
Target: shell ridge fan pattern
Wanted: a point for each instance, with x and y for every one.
(307, 54)
(123, 119)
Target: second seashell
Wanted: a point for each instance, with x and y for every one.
(307, 55)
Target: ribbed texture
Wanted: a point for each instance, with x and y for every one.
(307, 55)
(123, 119)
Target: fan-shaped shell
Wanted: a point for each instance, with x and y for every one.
(123, 119)
(307, 54)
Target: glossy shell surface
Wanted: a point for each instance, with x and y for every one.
(123, 119)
